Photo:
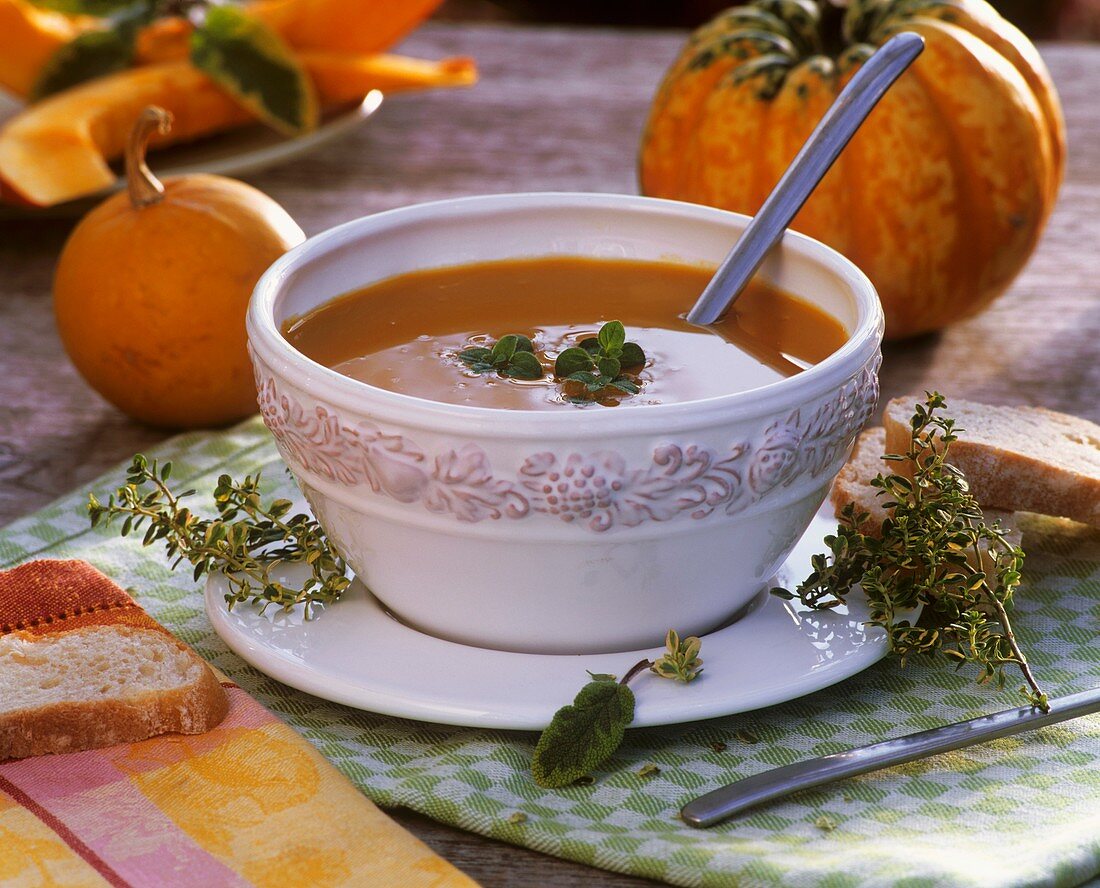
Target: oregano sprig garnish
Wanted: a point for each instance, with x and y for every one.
(586, 733)
(597, 363)
(512, 355)
(251, 541)
(934, 551)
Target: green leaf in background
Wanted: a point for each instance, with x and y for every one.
(90, 55)
(97, 8)
(584, 734)
(250, 61)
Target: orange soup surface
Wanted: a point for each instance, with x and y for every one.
(405, 333)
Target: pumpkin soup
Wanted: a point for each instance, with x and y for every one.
(414, 333)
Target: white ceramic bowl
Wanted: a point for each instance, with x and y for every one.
(560, 531)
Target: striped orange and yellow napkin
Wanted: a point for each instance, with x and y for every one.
(248, 803)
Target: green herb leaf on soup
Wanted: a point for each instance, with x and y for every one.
(250, 61)
(571, 361)
(632, 355)
(523, 365)
(513, 356)
(612, 337)
(504, 349)
(608, 367)
(597, 364)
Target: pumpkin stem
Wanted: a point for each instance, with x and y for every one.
(145, 188)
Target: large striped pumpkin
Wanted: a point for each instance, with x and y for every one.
(942, 195)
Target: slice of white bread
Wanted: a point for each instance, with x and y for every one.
(98, 686)
(1022, 458)
(853, 485)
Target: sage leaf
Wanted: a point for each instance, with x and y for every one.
(571, 361)
(590, 345)
(523, 344)
(584, 734)
(251, 62)
(88, 56)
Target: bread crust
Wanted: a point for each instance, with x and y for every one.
(71, 726)
(853, 485)
(1013, 470)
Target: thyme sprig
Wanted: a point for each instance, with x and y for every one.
(935, 551)
(251, 541)
(597, 363)
(586, 733)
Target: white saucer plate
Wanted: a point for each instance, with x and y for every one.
(237, 152)
(357, 654)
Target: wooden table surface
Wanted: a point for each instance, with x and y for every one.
(556, 109)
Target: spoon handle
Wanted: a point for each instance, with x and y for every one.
(810, 165)
(767, 786)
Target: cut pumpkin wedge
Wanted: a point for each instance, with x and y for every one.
(60, 148)
(30, 35)
(350, 27)
(340, 79)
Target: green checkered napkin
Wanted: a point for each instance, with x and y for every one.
(1022, 811)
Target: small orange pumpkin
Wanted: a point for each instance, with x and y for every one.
(943, 194)
(152, 287)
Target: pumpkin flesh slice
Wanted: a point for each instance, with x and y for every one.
(60, 148)
(28, 37)
(340, 79)
(353, 27)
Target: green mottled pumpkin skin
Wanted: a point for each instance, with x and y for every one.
(944, 192)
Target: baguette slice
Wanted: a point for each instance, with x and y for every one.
(99, 686)
(853, 484)
(1022, 458)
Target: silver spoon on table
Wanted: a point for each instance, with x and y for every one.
(809, 167)
(721, 804)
